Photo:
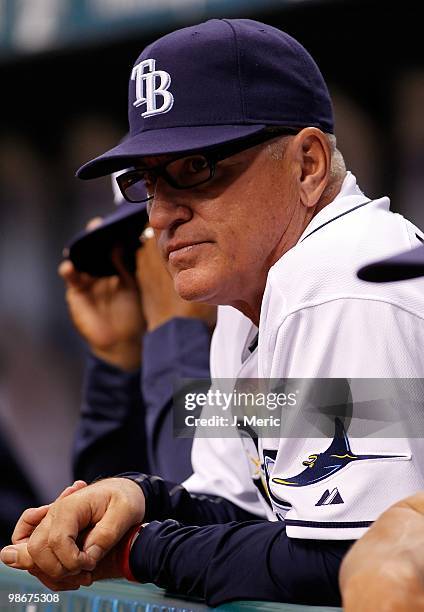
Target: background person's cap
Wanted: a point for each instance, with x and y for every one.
(409, 264)
(214, 83)
(90, 250)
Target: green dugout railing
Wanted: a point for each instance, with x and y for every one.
(21, 592)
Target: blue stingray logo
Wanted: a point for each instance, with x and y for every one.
(322, 465)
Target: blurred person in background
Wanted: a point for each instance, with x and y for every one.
(142, 337)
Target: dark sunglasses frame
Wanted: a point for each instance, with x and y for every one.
(212, 156)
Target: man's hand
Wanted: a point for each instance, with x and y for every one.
(29, 520)
(159, 298)
(78, 539)
(32, 517)
(106, 312)
(384, 570)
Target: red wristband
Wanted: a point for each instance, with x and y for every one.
(129, 540)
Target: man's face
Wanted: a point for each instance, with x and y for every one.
(220, 239)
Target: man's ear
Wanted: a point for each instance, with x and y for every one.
(314, 156)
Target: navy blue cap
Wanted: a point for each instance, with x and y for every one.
(214, 83)
(90, 250)
(409, 264)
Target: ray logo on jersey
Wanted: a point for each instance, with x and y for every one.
(338, 455)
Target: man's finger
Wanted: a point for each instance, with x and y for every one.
(66, 269)
(105, 535)
(146, 234)
(117, 259)
(17, 556)
(28, 522)
(93, 223)
(72, 277)
(53, 545)
(76, 486)
(32, 517)
(70, 583)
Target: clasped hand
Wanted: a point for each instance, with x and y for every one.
(76, 539)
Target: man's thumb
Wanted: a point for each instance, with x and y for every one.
(104, 535)
(17, 556)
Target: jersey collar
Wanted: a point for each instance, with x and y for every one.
(348, 197)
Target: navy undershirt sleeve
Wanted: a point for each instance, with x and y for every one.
(123, 427)
(110, 436)
(176, 350)
(249, 560)
(165, 499)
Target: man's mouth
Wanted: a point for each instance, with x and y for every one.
(174, 250)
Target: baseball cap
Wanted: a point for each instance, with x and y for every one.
(90, 250)
(409, 264)
(214, 83)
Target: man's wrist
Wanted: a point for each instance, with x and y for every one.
(125, 356)
(182, 310)
(140, 480)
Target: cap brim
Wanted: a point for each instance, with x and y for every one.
(164, 141)
(399, 267)
(90, 250)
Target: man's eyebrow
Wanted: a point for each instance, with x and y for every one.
(153, 161)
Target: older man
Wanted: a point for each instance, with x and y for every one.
(232, 134)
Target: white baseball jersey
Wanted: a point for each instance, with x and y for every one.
(318, 320)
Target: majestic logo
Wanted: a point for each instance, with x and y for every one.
(323, 465)
(328, 499)
(151, 88)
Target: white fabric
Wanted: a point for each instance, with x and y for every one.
(319, 320)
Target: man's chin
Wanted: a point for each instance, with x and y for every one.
(194, 286)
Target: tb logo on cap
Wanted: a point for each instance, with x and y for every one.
(151, 84)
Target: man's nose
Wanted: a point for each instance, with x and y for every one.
(168, 207)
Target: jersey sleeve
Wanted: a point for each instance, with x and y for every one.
(344, 338)
(335, 482)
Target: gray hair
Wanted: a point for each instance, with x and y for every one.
(338, 167)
